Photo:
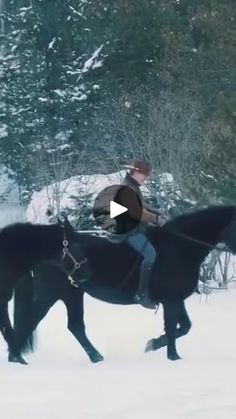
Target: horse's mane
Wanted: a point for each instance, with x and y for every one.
(215, 215)
(204, 223)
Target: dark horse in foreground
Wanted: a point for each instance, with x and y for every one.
(182, 244)
(22, 247)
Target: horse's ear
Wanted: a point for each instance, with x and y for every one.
(59, 221)
(64, 221)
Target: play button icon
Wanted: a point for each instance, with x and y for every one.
(116, 209)
(108, 213)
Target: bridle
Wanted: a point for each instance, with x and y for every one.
(77, 265)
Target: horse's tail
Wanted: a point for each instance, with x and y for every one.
(23, 313)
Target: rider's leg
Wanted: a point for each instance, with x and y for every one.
(140, 243)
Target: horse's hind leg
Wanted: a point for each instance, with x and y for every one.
(24, 331)
(183, 321)
(9, 335)
(184, 327)
(75, 310)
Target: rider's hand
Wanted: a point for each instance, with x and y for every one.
(161, 220)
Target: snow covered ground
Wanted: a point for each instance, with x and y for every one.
(61, 383)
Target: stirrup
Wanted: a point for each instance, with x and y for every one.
(138, 298)
(144, 301)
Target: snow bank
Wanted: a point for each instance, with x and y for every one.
(75, 186)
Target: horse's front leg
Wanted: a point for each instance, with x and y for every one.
(9, 335)
(171, 314)
(184, 327)
(75, 310)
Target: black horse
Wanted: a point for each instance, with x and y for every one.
(22, 247)
(111, 275)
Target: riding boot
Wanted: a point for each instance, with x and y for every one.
(142, 295)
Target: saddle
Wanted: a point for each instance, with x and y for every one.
(117, 238)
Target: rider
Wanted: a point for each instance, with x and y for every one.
(134, 222)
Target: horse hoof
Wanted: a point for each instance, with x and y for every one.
(151, 345)
(173, 357)
(96, 358)
(17, 359)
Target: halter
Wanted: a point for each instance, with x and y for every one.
(77, 265)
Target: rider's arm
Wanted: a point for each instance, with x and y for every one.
(153, 210)
(130, 200)
(149, 217)
(161, 218)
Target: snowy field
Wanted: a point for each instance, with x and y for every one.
(60, 382)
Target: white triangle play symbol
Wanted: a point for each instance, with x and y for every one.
(116, 209)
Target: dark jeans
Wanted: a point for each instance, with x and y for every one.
(142, 245)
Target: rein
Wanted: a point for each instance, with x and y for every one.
(77, 265)
(208, 245)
